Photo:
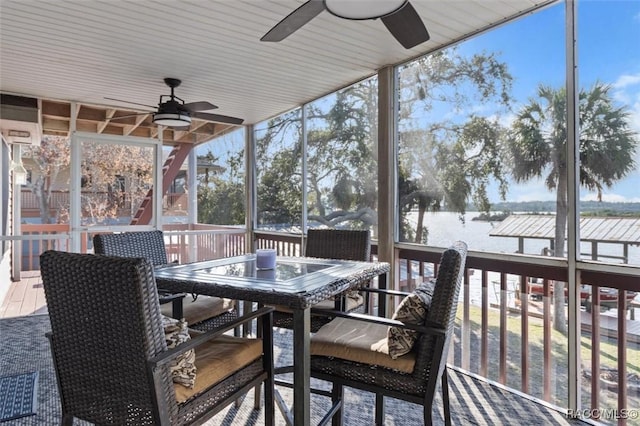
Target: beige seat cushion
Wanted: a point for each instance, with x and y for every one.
(352, 303)
(203, 308)
(218, 359)
(358, 341)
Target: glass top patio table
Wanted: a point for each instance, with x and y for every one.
(295, 282)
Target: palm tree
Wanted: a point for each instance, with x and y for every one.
(538, 146)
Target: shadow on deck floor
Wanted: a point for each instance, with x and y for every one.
(473, 401)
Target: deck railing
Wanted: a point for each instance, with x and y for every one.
(185, 243)
(192, 243)
(285, 244)
(506, 331)
(36, 239)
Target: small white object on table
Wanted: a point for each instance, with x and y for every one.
(265, 258)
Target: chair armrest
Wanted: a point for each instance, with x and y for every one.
(166, 297)
(428, 328)
(384, 291)
(166, 357)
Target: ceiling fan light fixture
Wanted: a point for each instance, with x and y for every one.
(363, 9)
(171, 119)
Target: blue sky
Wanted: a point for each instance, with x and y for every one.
(534, 49)
(608, 51)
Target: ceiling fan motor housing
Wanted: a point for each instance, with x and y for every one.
(172, 107)
(363, 10)
(172, 113)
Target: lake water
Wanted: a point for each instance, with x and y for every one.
(445, 228)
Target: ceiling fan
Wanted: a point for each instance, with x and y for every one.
(400, 18)
(174, 112)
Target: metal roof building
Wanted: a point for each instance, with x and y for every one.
(614, 230)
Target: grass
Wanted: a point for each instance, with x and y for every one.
(535, 351)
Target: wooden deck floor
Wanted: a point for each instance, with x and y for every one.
(24, 297)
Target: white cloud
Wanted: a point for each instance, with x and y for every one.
(626, 80)
(609, 198)
(627, 92)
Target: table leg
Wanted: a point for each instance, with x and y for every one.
(382, 301)
(301, 367)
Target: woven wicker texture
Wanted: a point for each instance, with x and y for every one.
(331, 244)
(106, 327)
(147, 244)
(431, 352)
(338, 244)
(150, 245)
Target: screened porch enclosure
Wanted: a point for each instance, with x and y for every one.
(432, 146)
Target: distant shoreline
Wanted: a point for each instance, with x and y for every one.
(601, 208)
(499, 211)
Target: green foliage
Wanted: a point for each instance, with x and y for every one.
(449, 157)
(587, 208)
(223, 205)
(341, 170)
(221, 189)
(539, 137)
(279, 174)
(444, 161)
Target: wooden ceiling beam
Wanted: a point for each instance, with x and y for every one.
(139, 120)
(91, 114)
(108, 115)
(54, 124)
(95, 119)
(56, 109)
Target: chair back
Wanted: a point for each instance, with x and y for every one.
(106, 324)
(147, 244)
(343, 244)
(431, 357)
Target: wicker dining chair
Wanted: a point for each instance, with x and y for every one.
(110, 354)
(201, 312)
(355, 350)
(332, 244)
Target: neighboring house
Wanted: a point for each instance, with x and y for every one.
(119, 193)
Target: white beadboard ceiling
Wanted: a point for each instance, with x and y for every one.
(86, 50)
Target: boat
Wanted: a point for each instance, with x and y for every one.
(608, 296)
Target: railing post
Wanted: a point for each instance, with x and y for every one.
(503, 329)
(524, 331)
(484, 333)
(465, 344)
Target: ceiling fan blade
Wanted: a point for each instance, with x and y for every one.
(199, 106)
(129, 116)
(406, 26)
(133, 103)
(294, 21)
(217, 118)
